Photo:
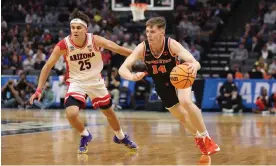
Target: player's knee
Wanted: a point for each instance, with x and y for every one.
(186, 103)
(72, 112)
(108, 113)
(178, 113)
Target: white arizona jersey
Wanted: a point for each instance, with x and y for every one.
(82, 63)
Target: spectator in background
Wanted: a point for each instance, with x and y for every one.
(269, 19)
(28, 51)
(237, 73)
(60, 66)
(128, 42)
(47, 98)
(246, 76)
(255, 46)
(15, 63)
(40, 59)
(262, 101)
(60, 35)
(4, 62)
(195, 52)
(8, 94)
(62, 90)
(272, 68)
(265, 53)
(236, 101)
(28, 63)
(274, 36)
(262, 65)
(14, 45)
(240, 54)
(113, 87)
(256, 72)
(94, 28)
(142, 88)
(47, 37)
(25, 43)
(272, 102)
(228, 86)
(194, 30)
(4, 24)
(227, 95)
(106, 56)
(141, 92)
(271, 46)
(28, 18)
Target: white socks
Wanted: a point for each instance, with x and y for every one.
(197, 135)
(204, 134)
(120, 134)
(84, 132)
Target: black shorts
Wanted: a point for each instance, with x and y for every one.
(168, 95)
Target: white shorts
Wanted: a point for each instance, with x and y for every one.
(94, 88)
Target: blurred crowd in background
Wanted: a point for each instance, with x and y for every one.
(30, 30)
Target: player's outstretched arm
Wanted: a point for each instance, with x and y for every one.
(110, 45)
(125, 69)
(45, 72)
(177, 49)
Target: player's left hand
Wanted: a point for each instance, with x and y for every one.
(193, 68)
(138, 76)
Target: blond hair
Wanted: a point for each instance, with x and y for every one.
(160, 22)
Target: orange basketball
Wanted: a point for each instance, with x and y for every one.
(181, 76)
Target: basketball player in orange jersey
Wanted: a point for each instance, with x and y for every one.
(160, 56)
(84, 65)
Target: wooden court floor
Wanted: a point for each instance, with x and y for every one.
(34, 137)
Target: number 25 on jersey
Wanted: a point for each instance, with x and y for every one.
(84, 64)
(156, 70)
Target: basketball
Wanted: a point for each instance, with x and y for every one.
(181, 76)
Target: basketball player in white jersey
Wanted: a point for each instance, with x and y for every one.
(160, 56)
(84, 65)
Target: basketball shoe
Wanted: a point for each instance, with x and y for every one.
(208, 146)
(211, 146)
(200, 143)
(84, 143)
(126, 141)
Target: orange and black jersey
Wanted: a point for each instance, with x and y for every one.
(160, 66)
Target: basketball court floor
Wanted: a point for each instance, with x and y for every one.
(45, 138)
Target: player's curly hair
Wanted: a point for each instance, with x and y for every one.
(79, 14)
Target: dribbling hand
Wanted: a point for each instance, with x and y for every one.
(138, 76)
(36, 95)
(193, 68)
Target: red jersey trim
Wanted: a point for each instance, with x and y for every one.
(94, 44)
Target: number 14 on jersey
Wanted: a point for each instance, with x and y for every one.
(156, 70)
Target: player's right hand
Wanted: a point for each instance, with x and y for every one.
(138, 76)
(36, 95)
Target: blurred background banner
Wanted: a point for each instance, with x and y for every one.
(248, 89)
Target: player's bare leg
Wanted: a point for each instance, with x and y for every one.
(120, 137)
(184, 96)
(205, 143)
(72, 114)
(112, 119)
(178, 112)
